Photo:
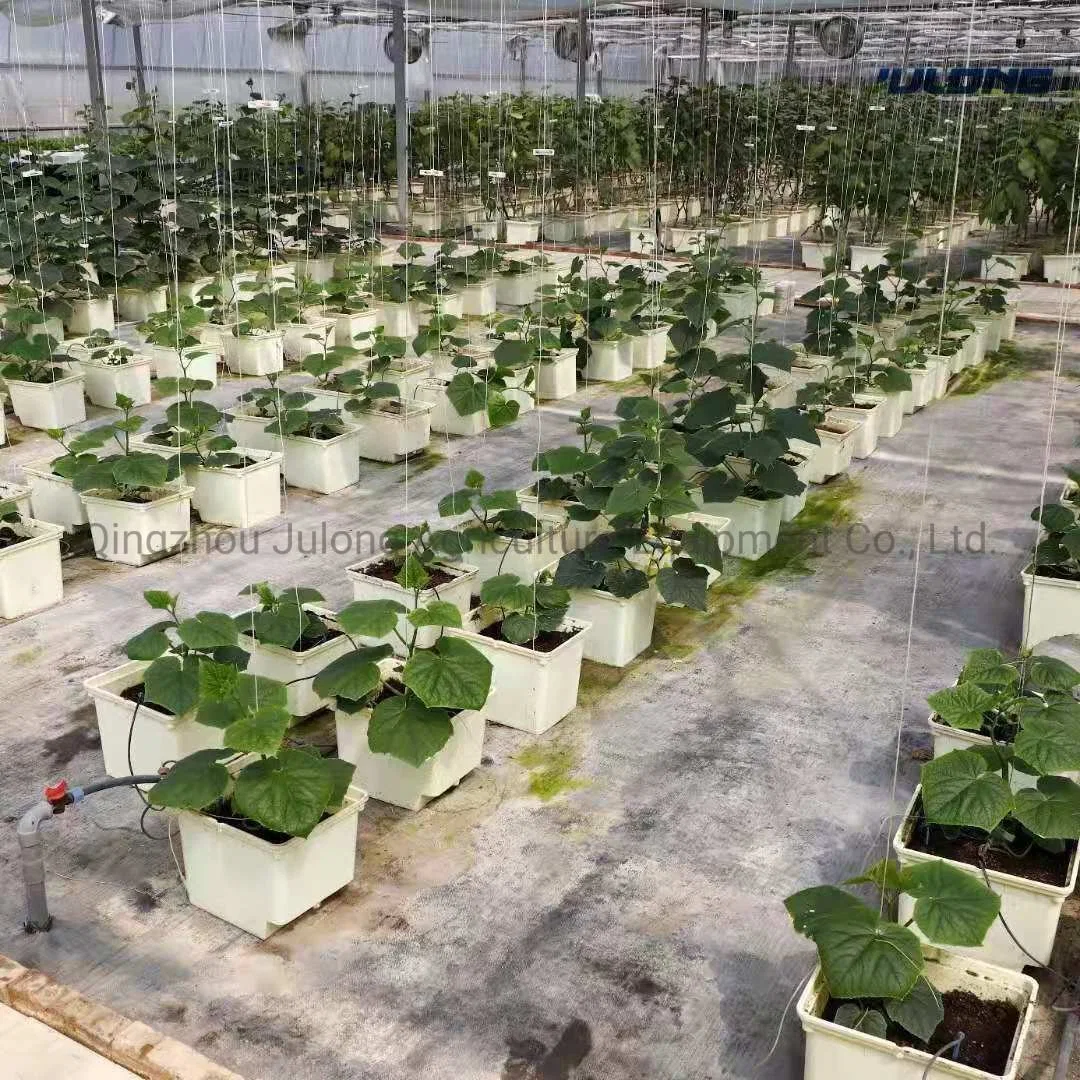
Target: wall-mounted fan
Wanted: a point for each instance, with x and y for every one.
(566, 43)
(416, 40)
(840, 37)
(517, 46)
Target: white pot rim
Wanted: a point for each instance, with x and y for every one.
(459, 571)
(100, 686)
(353, 432)
(171, 496)
(78, 377)
(1012, 881)
(261, 459)
(101, 365)
(577, 626)
(297, 658)
(1030, 578)
(34, 534)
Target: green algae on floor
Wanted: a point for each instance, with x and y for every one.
(421, 464)
(551, 766)
(1011, 361)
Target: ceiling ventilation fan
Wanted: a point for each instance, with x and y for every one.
(840, 37)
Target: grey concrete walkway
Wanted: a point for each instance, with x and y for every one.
(631, 927)
(31, 1050)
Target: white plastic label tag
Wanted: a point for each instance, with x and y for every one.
(544, 151)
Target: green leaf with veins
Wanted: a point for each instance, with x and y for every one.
(150, 643)
(1053, 674)
(352, 676)
(963, 706)
(960, 788)
(288, 793)
(208, 630)
(217, 682)
(436, 613)
(452, 674)
(952, 906)
(194, 782)
(684, 582)
(1050, 810)
(173, 683)
(920, 1012)
(405, 728)
(259, 731)
(885, 874)
(1049, 741)
(868, 1021)
(370, 618)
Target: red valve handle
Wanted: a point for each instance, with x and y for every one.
(55, 792)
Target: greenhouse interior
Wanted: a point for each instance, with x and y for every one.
(538, 541)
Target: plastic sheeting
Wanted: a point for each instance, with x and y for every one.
(49, 12)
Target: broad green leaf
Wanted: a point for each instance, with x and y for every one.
(952, 906)
(865, 956)
(173, 684)
(1050, 741)
(259, 731)
(352, 676)
(341, 775)
(564, 461)
(217, 682)
(576, 571)
(405, 728)
(960, 788)
(988, 667)
(467, 394)
(628, 497)
(370, 618)
(219, 714)
(779, 478)
(437, 613)
(684, 582)
(868, 1021)
(1049, 673)
(452, 675)
(1055, 518)
(624, 582)
(194, 782)
(1051, 810)
(506, 591)
(885, 874)
(207, 630)
(288, 793)
(962, 706)
(773, 354)
(150, 644)
(702, 546)
(920, 1012)
(141, 471)
(810, 906)
(159, 599)
(254, 691)
(457, 502)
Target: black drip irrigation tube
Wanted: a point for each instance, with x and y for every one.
(55, 800)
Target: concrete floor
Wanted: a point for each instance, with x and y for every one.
(34, 1051)
(632, 927)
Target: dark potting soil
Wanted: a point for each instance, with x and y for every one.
(314, 639)
(966, 846)
(140, 497)
(1060, 573)
(243, 463)
(752, 491)
(165, 438)
(223, 812)
(834, 428)
(988, 1027)
(546, 641)
(387, 571)
(135, 694)
(9, 537)
(865, 405)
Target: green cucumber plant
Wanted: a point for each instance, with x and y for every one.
(413, 550)
(175, 327)
(101, 348)
(490, 514)
(412, 711)
(283, 618)
(287, 413)
(873, 967)
(1058, 552)
(524, 611)
(79, 450)
(30, 358)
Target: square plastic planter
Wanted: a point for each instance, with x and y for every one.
(610, 361)
(557, 377)
(868, 256)
(400, 320)
(1031, 908)
(393, 429)
(479, 299)
(526, 558)
(866, 433)
(259, 886)
(322, 465)
(620, 627)
(649, 349)
(407, 374)
(19, 494)
(834, 1052)
(457, 592)
(359, 324)
(445, 419)
(522, 231)
(138, 533)
(200, 362)
(755, 524)
(391, 780)
(250, 431)
(30, 575)
(296, 669)
(578, 533)
(155, 736)
(531, 691)
(102, 382)
(1051, 608)
(254, 354)
(835, 451)
(923, 381)
(56, 404)
(313, 336)
(137, 305)
(54, 499)
(517, 290)
(238, 497)
(89, 315)
(814, 253)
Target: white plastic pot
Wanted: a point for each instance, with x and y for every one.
(320, 268)
(359, 324)
(30, 576)
(138, 533)
(54, 499)
(400, 320)
(17, 494)
(407, 374)
(259, 886)
(1008, 329)
(521, 231)
(578, 533)
(942, 370)
(457, 592)
(479, 298)
(806, 370)
(393, 430)
(557, 378)
(254, 354)
(755, 524)
(991, 326)
(834, 451)
(782, 392)
(296, 669)
(620, 628)
(315, 335)
(486, 231)
(815, 253)
(517, 290)
(792, 505)
(526, 558)
(834, 1052)
(1031, 908)
(650, 349)
(56, 404)
(445, 419)
(610, 361)
(391, 780)
(155, 736)
(923, 381)
(195, 362)
(530, 691)
(103, 382)
(867, 256)
(892, 411)
(564, 229)
(137, 305)
(994, 270)
(866, 435)
(89, 315)
(322, 465)
(1051, 608)
(238, 497)
(449, 303)
(250, 431)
